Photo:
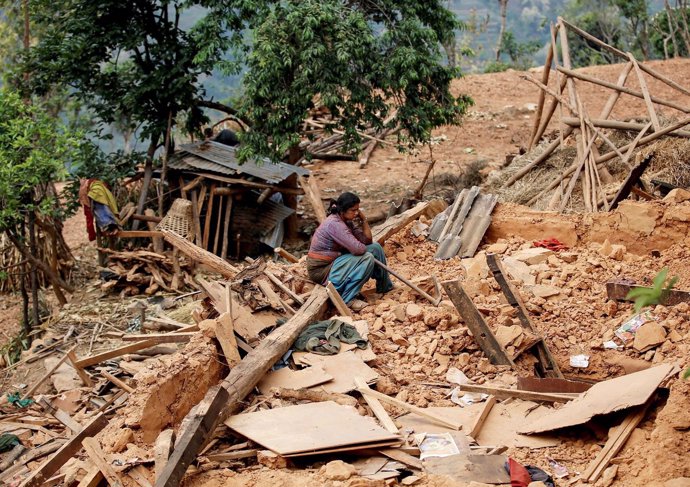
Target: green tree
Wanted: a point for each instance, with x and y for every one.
(636, 13)
(602, 19)
(33, 152)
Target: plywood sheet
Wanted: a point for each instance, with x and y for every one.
(293, 379)
(312, 427)
(603, 398)
(500, 426)
(343, 367)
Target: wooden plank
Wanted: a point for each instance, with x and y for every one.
(313, 194)
(60, 415)
(549, 366)
(209, 215)
(410, 408)
(474, 321)
(92, 478)
(226, 228)
(196, 253)
(503, 393)
(47, 375)
(118, 382)
(402, 457)
(616, 442)
(138, 234)
(216, 238)
(118, 352)
(140, 475)
(67, 451)
(286, 255)
(159, 337)
(337, 300)
(481, 418)
(393, 225)
(287, 378)
(283, 287)
(309, 428)
(162, 449)
(535, 384)
(203, 418)
(235, 455)
(618, 289)
(274, 300)
(252, 184)
(99, 458)
(225, 333)
(631, 180)
(377, 407)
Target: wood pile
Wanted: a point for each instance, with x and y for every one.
(595, 150)
(145, 272)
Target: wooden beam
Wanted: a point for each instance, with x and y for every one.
(313, 194)
(377, 407)
(161, 451)
(337, 300)
(410, 408)
(393, 225)
(253, 184)
(220, 400)
(207, 219)
(118, 382)
(60, 415)
(286, 255)
(138, 234)
(618, 289)
(92, 478)
(234, 455)
(159, 337)
(481, 418)
(83, 375)
(473, 319)
(274, 300)
(283, 287)
(133, 347)
(225, 332)
(67, 451)
(226, 228)
(99, 458)
(198, 254)
(502, 393)
(549, 366)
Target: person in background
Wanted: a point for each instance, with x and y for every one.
(343, 253)
(99, 204)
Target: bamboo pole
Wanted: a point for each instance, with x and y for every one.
(542, 97)
(613, 98)
(645, 93)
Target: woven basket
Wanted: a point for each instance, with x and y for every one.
(178, 219)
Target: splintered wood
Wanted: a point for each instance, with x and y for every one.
(589, 167)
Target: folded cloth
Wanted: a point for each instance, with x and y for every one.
(324, 337)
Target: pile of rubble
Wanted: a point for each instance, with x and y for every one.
(530, 356)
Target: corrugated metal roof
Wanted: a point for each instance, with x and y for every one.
(225, 162)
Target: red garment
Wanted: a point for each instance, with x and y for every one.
(551, 244)
(519, 476)
(90, 228)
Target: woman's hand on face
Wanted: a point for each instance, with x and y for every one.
(361, 216)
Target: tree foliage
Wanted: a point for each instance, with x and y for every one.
(661, 285)
(33, 152)
(364, 61)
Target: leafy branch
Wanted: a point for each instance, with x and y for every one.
(648, 296)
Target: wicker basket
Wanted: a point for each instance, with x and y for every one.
(179, 219)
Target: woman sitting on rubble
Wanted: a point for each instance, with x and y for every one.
(342, 252)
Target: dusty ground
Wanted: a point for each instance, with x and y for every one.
(418, 347)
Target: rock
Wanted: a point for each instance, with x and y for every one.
(677, 195)
(618, 252)
(678, 482)
(537, 484)
(463, 359)
(679, 213)
(609, 476)
(637, 216)
(649, 336)
(674, 336)
(519, 271)
(410, 480)
(532, 256)
(414, 312)
(506, 335)
(568, 257)
(497, 248)
(544, 290)
(605, 248)
(399, 312)
(399, 340)
(271, 460)
(338, 470)
(485, 367)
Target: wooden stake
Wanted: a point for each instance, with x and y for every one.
(376, 407)
(337, 300)
(481, 418)
(542, 96)
(286, 255)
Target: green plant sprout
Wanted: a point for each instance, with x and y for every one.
(648, 296)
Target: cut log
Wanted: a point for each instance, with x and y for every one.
(286, 255)
(219, 401)
(67, 451)
(198, 254)
(382, 232)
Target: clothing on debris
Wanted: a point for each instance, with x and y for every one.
(324, 337)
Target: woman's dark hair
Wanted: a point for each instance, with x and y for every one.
(344, 202)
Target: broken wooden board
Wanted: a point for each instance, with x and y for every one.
(618, 289)
(310, 428)
(293, 379)
(486, 469)
(551, 385)
(499, 428)
(547, 363)
(473, 319)
(343, 367)
(449, 237)
(396, 223)
(603, 398)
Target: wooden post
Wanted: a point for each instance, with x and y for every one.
(157, 241)
(337, 300)
(226, 228)
(219, 401)
(218, 220)
(209, 215)
(200, 255)
(611, 102)
(198, 239)
(542, 97)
